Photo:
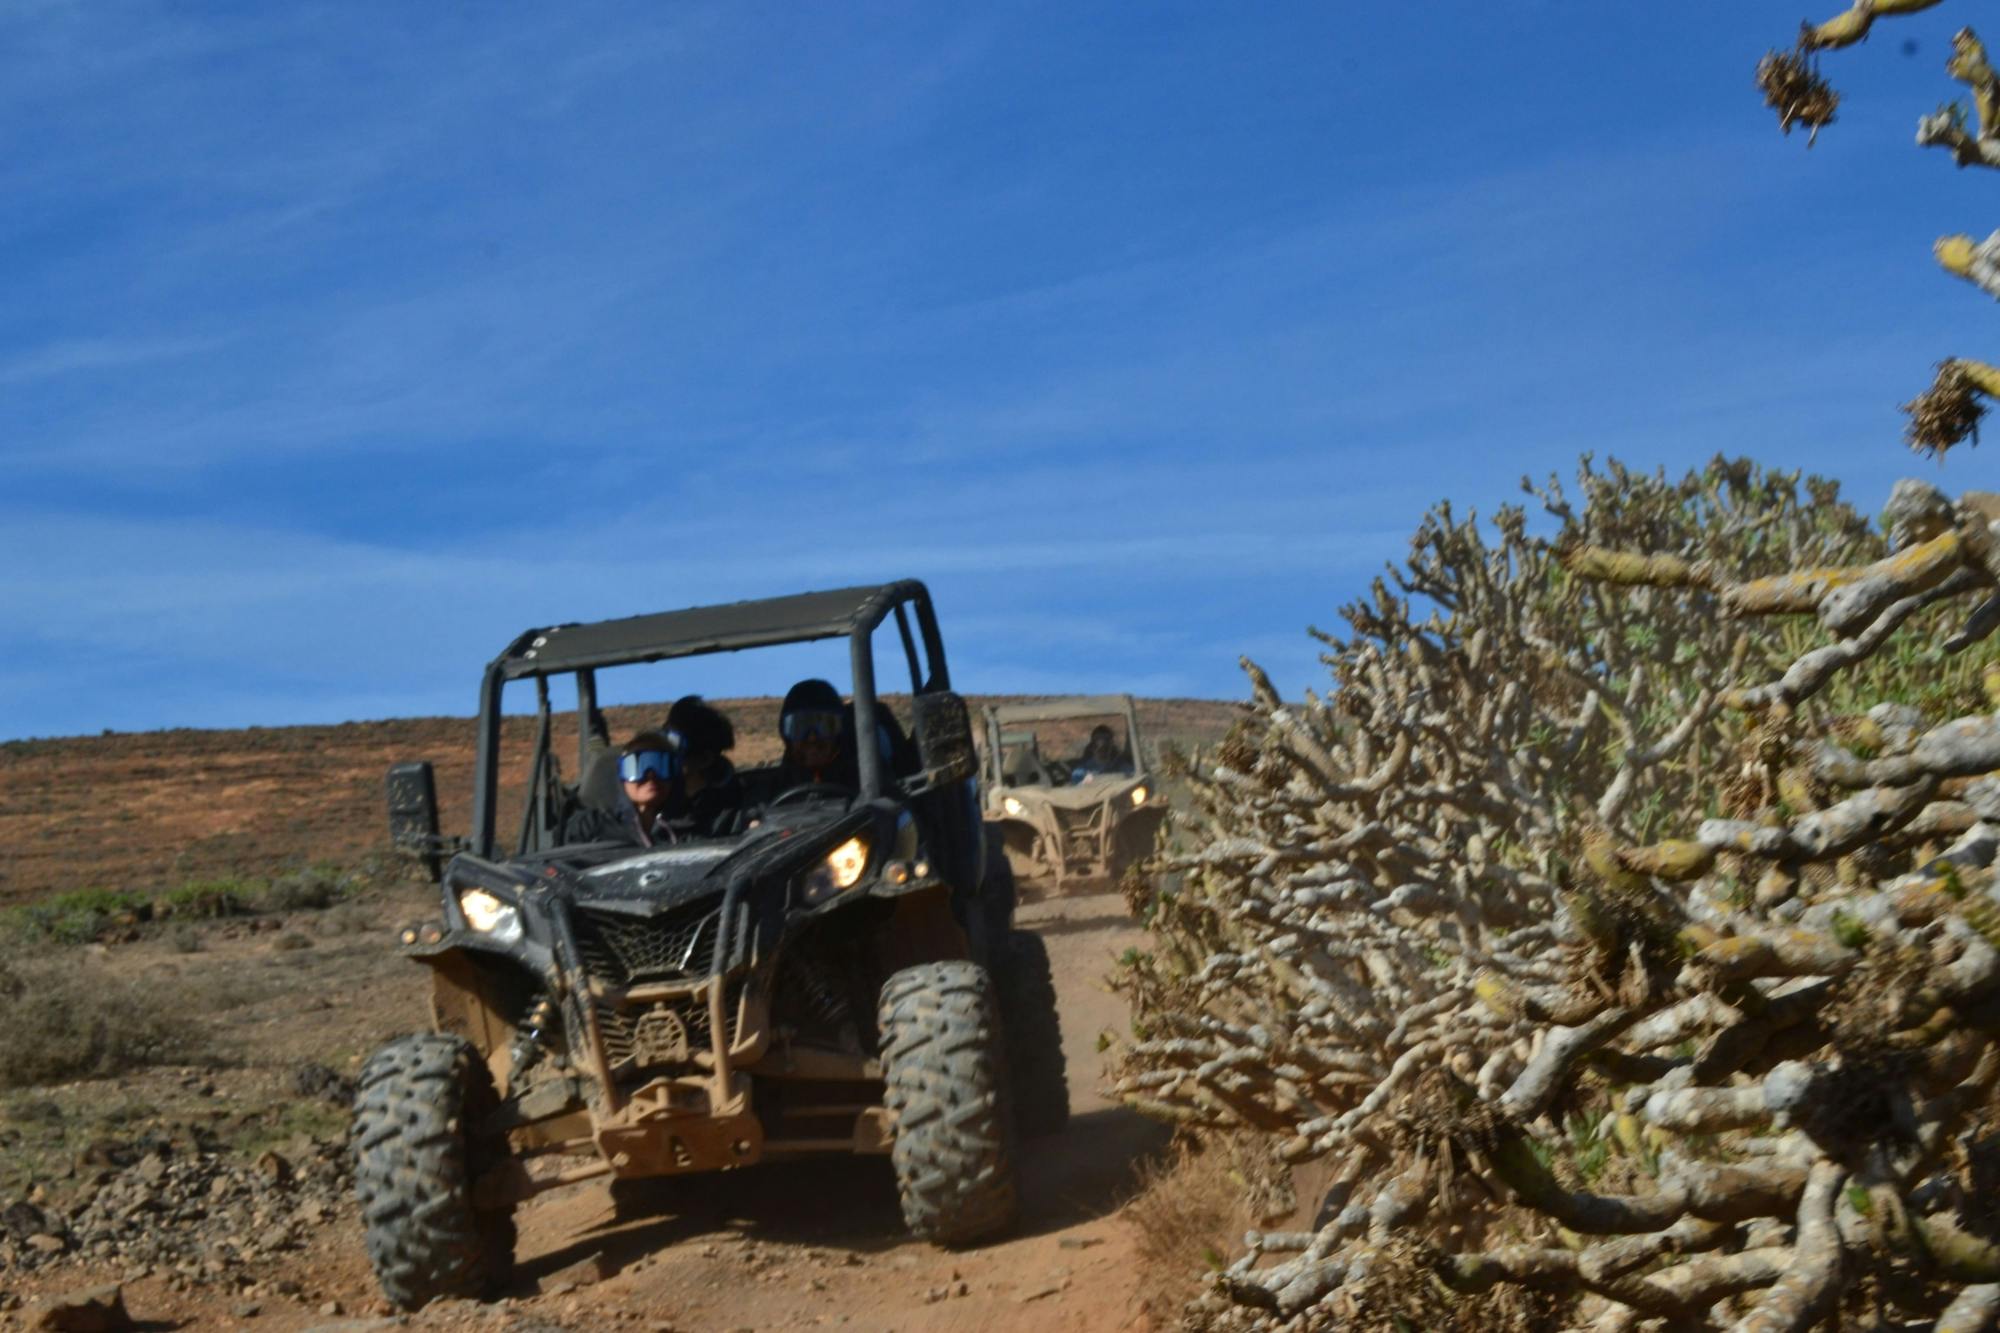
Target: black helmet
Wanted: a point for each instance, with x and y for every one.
(812, 708)
(817, 695)
(706, 730)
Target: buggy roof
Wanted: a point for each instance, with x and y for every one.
(1068, 706)
(799, 618)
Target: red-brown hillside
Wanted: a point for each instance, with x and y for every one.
(153, 810)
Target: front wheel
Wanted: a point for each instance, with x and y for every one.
(1135, 840)
(417, 1153)
(943, 1066)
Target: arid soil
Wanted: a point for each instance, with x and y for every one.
(154, 810)
(797, 1245)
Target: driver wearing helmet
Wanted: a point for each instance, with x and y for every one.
(651, 801)
(813, 725)
(1102, 754)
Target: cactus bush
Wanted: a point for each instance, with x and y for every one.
(1614, 945)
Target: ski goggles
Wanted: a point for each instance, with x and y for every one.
(642, 764)
(812, 724)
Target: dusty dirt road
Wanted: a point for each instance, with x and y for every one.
(783, 1246)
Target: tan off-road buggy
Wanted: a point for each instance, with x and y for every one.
(1065, 813)
(840, 976)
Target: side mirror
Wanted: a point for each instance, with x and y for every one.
(944, 736)
(413, 815)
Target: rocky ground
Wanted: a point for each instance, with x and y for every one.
(217, 1196)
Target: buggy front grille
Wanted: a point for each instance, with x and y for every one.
(626, 950)
(1082, 834)
(666, 1032)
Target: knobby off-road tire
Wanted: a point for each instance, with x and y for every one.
(943, 1064)
(1037, 1076)
(416, 1157)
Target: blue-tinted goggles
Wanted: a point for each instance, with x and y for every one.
(642, 764)
(812, 724)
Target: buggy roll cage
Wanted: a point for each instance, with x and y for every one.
(582, 650)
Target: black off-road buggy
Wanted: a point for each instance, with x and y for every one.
(841, 977)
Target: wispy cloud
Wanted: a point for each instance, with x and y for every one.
(73, 355)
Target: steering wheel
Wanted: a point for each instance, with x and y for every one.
(805, 790)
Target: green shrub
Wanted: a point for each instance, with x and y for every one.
(76, 917)
(315, 888)
(209, 899)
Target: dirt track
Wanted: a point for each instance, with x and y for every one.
(797, 1245)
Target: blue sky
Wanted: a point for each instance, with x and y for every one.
(340, 342)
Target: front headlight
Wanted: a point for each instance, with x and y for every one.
(490, 915)
(842, 869)
(1012, 806)
(1139, 794)
(847, 861)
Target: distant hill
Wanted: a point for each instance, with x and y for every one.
(154, 810)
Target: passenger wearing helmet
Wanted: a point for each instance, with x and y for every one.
(714, 795)
(652, 800)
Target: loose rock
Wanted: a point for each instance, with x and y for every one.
(95, 1310)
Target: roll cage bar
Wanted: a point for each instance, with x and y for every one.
(581, 650)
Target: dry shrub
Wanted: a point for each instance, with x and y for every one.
(1946, 414)
(1190, 1215)
(68, 1019)
(345, 920)
(1794, 89)
(313, 888)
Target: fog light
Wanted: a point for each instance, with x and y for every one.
(409, 934)
(923, 870)
(897, 872)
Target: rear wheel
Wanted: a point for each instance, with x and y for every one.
(417, 1153)
(1038, 1078)
(943, 1066)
